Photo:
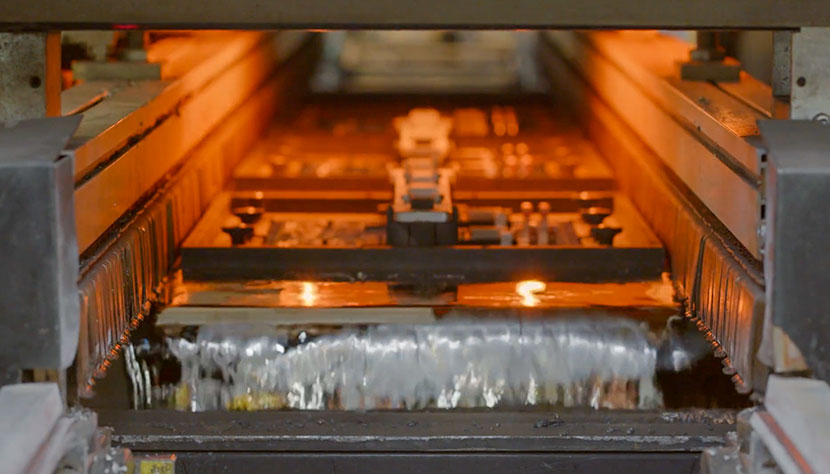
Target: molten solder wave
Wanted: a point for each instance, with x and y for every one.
(597, 362)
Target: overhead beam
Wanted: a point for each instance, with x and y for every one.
(258, 14)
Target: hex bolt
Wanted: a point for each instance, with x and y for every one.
(248, 214)
(240, 234)
(595, 215)
(604, 235)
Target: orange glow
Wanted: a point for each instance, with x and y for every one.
(308, 296)
(528, 289)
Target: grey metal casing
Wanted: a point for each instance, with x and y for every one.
(39, 303)
(797, 247)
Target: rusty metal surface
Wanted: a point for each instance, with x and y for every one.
(436, 14)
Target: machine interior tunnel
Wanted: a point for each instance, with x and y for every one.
(423, 250)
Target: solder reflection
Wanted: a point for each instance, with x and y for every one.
(308, 296)
(528, 289)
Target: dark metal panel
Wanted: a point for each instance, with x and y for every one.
(39, 313)
(681, 14)
(798, 215)
(420, 264)
(567, 430)
(400, 463)
(349, 201)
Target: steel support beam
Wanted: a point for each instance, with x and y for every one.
(207, 14)
(39, 309)
(782, 42)
(408, 463)
(708, 265)
(796, 257)
(414, 442)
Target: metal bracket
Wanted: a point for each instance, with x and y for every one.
(708, 62)
(798, 222)
(130, 64)
(782, 60)
(30, 76)
(39, 300)
(810, 75)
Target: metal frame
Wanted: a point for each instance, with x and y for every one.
(512, 441)
(704, 135)
(798, 185)
(254, 14)
(709, 267)
(123, 274)
(30, 76)
(809, 83)
(39, 295)
(425, 264)
(117, 167)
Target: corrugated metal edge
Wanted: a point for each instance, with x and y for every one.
(124, 277)
(721, 287)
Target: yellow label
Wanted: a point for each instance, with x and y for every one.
(157, 467)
